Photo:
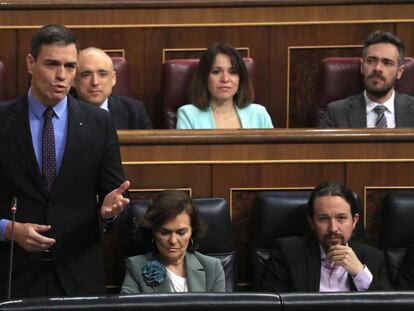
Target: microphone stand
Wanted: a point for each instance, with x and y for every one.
(13, 211)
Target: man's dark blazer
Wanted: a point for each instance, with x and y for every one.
(128, 113)
(405, 277)
(91, 167)
(351, 112)
(294, 265)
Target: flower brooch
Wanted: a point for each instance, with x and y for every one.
(153, 273)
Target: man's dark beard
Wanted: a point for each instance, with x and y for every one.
(327, 244)
(379, 93)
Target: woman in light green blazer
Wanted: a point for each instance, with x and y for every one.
(221, 94)
(173, 225)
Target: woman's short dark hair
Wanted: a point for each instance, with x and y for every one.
(165, 207)
(51, 34)
(332, 188)
(198, 91)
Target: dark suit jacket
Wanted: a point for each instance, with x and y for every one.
(351, 112)
(405, 277)
(90, 167)
(294, 265)
(204, 274)
(128, 113)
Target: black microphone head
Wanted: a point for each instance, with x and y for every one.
(13, 205)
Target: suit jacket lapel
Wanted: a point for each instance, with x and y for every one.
(196, 276)
(163, 287)
(357, 114)
(403, 113)
(23, 140)
(119, 114)
(69, 169)
(313, 261)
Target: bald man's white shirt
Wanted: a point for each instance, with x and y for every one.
(105, 105)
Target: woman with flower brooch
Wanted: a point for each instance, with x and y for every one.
(173, 226)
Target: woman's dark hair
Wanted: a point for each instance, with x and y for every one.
(51, 34)
(165, 207)
(332, 188)
(198, 91)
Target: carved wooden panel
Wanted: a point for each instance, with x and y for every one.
(9, 60)
(190, 53)
(303, 79)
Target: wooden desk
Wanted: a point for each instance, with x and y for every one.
(236, 164)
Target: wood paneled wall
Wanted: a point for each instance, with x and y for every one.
(287, 42)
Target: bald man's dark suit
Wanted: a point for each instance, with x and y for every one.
(91, 167)
(351, 112)
(294, 265)
(128, 113)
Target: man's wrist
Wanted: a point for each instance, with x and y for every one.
(5, 229)
(108, 223)
(359, 270)
(363, 279)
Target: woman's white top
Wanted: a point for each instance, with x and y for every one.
(178, 284)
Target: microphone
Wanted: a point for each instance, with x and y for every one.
(13, 211)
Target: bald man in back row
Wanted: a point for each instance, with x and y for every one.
(95, 78)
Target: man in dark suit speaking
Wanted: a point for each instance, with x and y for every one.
(61, 160)
(379, 105)
(95, 78)
(327, 260)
